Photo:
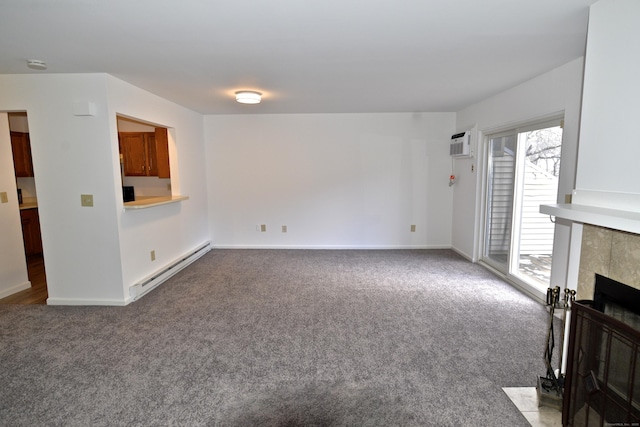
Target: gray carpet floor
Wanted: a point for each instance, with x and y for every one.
(282, 338)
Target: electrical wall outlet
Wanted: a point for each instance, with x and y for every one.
(567, 199)
(153, 255)
(413, 228)
(86, 200)
(263, 228)
(284, 228)
(3, 197)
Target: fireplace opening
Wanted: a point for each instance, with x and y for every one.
(617, 300)
(602, 384)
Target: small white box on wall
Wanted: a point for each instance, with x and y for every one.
(84, 108)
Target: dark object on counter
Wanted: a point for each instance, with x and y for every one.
(19, 196)
(128, 194)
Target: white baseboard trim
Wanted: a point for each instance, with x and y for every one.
(139, 289)
(80, 301)
(332, 247)
(17, 288)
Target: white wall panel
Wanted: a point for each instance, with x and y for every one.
(171, 230)
(335, 180)
(71, 156)
(609, 144)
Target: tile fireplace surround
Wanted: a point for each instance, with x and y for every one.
(610, 253)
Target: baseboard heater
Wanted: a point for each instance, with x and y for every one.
(145, 285)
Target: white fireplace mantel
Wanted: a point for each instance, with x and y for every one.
(618, 211)
(603, 217)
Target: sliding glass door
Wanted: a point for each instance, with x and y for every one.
(500, 193)
(523, 166)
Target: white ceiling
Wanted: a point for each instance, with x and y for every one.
(306, 56)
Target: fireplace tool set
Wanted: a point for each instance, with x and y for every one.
(551, 386)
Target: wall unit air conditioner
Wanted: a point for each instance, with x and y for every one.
(460, 145)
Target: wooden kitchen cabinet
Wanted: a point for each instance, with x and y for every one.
(143, 154)
(136, 158)
(162, 153)
(21, 149)
(31, 231)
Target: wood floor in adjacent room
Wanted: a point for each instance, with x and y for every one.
(37, 293)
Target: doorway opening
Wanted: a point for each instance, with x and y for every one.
(29, 213)
(522, 170)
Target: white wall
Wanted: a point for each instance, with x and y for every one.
(13, 265)
(71, 156)
(556, 91)
(93, 254)
(609, 143)
(335, 180)
(171, 230)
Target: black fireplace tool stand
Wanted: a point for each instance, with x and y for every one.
(550, 387)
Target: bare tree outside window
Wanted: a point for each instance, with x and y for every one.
(543, 148)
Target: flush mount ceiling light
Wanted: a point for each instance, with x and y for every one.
(36, 64)
(248, 97)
